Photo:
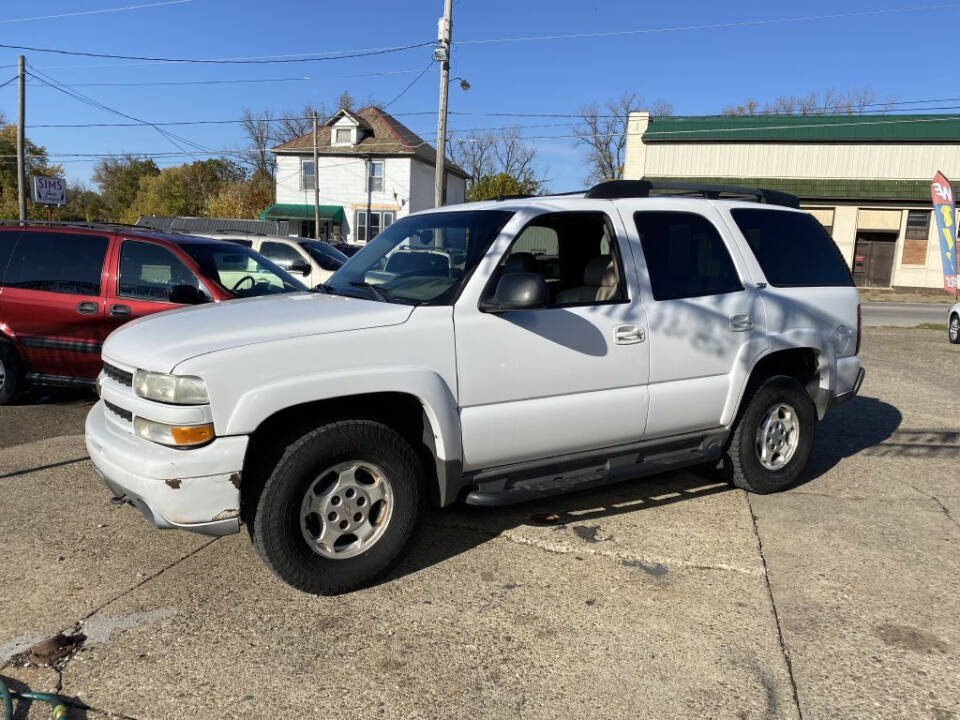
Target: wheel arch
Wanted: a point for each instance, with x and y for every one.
(809, 365)
(420, 423)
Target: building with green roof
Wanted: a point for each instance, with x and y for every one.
(865, 177)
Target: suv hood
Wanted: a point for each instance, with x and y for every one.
(159, 342)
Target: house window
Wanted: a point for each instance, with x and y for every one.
(918, 224)
(915, 238)
(342, 136)
(378, 221)
(308, 175)
(375, 176)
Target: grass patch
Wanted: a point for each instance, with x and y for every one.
(942, 327)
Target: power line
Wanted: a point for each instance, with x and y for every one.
(95, 12)
(712, 26)
(9, 81)
(223, 61)
(412, 83)
(193, 82)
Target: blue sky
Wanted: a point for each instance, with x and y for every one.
(699, 71)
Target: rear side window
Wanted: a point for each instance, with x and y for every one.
(282, 254)
(792, 248)
(57, 262)
(685, 256)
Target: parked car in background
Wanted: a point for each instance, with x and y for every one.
(311, 261)
(348, 249)
(65, 287)
(953, 324)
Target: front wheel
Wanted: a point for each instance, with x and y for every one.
(773, 439)
(953, 329)
(339, 508)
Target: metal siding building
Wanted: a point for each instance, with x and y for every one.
(865, 177)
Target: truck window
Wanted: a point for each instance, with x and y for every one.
(792, 248)
(685, 256)
(57, 262)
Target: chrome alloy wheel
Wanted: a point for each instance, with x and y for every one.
(954, 328)
(346, 510)
(778, 436)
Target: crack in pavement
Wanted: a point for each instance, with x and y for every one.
(76, 628)
(776, 613)
(27, 471)
(560, 549)
(943, 508)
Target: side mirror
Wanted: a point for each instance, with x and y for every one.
(185, 295)
(299, 267)
(518, 291)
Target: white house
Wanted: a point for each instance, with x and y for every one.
(371, 171)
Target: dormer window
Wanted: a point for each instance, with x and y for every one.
(343, 136)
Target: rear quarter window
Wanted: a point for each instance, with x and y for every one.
(69, 263)
(8, 238)
(793, 249)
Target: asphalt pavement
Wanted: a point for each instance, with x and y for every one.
(666, 597)
(890, 314)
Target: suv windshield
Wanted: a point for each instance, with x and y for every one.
(421, 259)
(326, 256)
(241, 271)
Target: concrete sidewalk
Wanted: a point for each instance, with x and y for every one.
(671, 597)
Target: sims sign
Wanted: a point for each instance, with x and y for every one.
(48, 190)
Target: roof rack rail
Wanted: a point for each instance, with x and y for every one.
(613, 189)
(516, 196)
(76, 223)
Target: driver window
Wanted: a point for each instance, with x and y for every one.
(148, 272)
(577, 255)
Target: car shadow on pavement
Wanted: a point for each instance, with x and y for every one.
(24, 708)
(859, 425)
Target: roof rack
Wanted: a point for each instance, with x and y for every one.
(96, 225)
(613, 189)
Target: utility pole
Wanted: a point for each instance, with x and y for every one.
(21, 142)
(441, 54)
(316, 181)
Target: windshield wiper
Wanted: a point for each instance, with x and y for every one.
(379, 293)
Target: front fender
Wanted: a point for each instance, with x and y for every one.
(439, 405)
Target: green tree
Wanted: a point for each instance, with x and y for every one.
(490, 187)
(83, 204)
(36, 164)
(183, 189)
(119, 180)
(242, 199)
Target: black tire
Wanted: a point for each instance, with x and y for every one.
(276, 529)
(11, 370)
(742, 461)
(953, 329)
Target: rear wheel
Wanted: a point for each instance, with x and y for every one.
(11, 374)
(339, 507)
(953, 329)
(773, 439)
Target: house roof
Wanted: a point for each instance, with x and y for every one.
(387, 136)
(806, 128)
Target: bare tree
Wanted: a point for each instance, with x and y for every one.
(298, 122)
(604, 136)
(856, 102)
(505, 153)
(661, 108)
(261, 138)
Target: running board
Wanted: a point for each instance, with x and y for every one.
(59, 380)
(527, 481)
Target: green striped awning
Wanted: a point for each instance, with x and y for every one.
(291, 211)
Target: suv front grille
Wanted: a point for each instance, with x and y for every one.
(121, 376)
(118, 411)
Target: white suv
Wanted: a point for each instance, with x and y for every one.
(310, 261)
(489, 353)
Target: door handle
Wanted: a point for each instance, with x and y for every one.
(741, 322)
(119, 311)
(87, 308)
(628, 334)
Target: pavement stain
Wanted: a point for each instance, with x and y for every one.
(587, 533)
(655, 569)
(910, 638)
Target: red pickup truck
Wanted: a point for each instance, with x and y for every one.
(65, 287)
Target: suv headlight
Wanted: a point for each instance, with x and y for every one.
(173, 389)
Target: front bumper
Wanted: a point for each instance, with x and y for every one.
(197, 489)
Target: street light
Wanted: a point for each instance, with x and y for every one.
(464, 85)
